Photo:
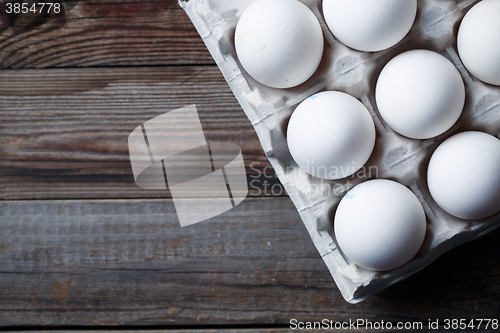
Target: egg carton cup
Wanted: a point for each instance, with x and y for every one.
(395, 157)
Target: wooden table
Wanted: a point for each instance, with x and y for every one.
(81, 246)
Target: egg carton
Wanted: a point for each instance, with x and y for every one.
(395, 157)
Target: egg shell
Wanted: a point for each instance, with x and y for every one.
(279, 42)
(331, 134)
(420, 94)
(464, 175)
(380, 225)
(369, 25)
(478, 41)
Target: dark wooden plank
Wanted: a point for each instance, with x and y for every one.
(182, 331)
(284, 330)
(127, 262)
(201, 330)
(64, 132)
(235, 330)
(106, 33)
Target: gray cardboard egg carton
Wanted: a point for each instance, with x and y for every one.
(394, 157)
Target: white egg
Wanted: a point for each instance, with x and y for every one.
(279, 42)
(331, 135)
(380, 225)
(369, 25)
(420, 94)
(464, 175)
(478, 41)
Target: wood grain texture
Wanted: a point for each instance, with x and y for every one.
(234, 330)
(127, 262)
(107, 33)
(186, 331)
(64, 132)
